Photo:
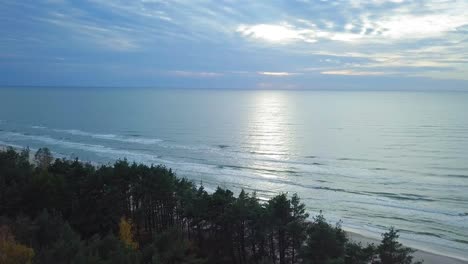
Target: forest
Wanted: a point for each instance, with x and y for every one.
(68, 211)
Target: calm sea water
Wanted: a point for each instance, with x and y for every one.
(371, 159)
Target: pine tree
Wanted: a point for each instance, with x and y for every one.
(297, 227)
(391, 251)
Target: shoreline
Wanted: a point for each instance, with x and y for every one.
(354, 235)
(427, 256)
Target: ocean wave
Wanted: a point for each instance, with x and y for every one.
(288, 168)
(379, 169)
(411, 208)
(257, 168)
(4, 144)
(127, 139)
(108, 152)
(402, 196)
(457, 175)
(449, 168)
(253, 176)
(357, 159)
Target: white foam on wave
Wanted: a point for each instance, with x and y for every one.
(4, 145)
(138, 140)
(104, 151)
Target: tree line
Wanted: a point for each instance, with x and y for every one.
(68, 211)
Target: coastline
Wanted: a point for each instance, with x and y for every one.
(428, 257)
(425, 255)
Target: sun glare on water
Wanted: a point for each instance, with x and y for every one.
(268, 129)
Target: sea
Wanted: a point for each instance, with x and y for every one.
(367, 159)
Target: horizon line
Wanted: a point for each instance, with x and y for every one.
(234, 88)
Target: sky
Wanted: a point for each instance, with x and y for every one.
(291, 44)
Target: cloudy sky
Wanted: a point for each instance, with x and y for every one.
(293, 44)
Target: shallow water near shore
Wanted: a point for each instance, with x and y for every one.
(371, 159)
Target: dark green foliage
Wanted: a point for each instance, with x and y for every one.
(391, 251)
(109, 250)
(324, 242)
(66, 247)
(15, 174)
(356, 254)
(69, 211)
(171, 247)
(297, 226)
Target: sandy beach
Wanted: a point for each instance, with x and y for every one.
(428, 257)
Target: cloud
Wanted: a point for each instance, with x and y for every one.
(399, 27)
(353, 73)
(280, 74)
(281, 33)
(107, 36)
(402, 38)
(405, 27)
(144, 8)
(364, 3)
